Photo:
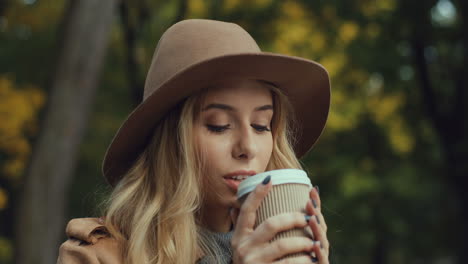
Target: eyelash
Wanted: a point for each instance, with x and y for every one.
(220, 129)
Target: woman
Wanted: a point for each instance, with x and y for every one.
(215, 110)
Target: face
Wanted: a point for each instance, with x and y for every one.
(233, 134)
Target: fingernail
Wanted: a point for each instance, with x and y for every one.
(314, 203)
(318, 242)
(318, 221)
(307, 218)
(266, 180)
(317, 188)
(314, 259)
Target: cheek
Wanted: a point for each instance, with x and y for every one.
(214, 147)
(213, 150)
(266, 150)
(269, 148)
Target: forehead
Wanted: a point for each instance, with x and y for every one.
(239, 91)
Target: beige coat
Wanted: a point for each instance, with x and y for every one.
(89, 243)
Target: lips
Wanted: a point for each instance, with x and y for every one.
(233, 179)
(240, 174)
(239, 177)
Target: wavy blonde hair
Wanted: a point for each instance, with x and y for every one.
(153, 209)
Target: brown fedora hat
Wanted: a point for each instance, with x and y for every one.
(192, 54)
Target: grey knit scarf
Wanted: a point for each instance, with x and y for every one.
(223, 240)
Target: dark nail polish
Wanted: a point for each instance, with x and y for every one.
(307, 218)
(266, 180)
(318, 220)
(314, 259)
(314, 203)
(317, 188)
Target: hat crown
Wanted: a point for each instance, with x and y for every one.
(191, 41)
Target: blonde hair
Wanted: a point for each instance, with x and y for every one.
(153, 209)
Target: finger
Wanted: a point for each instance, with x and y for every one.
(247, 213)
(319, 234)
(311, 210)
(318, 227)
(286, 246)
(268, 229)
(234, 215)
(315, 198)
(317, 202)
(320, 253)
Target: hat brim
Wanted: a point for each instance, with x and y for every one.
(305, 82)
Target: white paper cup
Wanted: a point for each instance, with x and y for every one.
(290, 193)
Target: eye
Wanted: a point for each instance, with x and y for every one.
(217, 129)
(260, 128)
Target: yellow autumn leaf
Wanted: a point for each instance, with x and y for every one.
(19, 108)
(317, 42)
(292, 37)
(385, 111)
(13, 169)
(35, 97)
(16, 146)
(400, 139)
(329, 12)
(293, 9)
(386, 5)
(371, 8)
(334, 62)
(35, 17)
(384, 107)
(368, 9)
(197, 8)
(355, 76)
(348, 31)
(261, 3)
(229, 5)
(345, 111)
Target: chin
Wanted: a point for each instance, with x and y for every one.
(222, 196)
(228, 202)
(233, 203)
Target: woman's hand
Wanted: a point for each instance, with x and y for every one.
(253, 245)
(318, 226)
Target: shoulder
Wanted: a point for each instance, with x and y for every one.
(89, 242)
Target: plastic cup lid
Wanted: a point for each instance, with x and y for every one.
(281, 176)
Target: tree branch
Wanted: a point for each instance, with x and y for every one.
(461, 95)
(429, 98)
(130, 33)
(181, 12)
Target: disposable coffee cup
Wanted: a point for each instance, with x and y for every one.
(290, 193)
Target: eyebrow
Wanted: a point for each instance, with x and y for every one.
(233, 109)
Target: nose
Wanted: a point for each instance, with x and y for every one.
(245, 147)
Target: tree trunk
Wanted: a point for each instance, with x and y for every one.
(457, 148)
(132, 29)
(40, 223)
(450, 126)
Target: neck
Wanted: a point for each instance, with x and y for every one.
(216, 219)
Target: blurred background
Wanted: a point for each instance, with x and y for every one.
(391, 164)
